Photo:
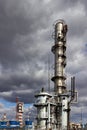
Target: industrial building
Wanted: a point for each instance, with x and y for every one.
(53, 109)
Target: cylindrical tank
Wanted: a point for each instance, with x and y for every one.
(3, 123)
(41, 104)
(14, 123)
(29, 124)
(42, 109)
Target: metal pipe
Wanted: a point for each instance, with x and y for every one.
(49, 116)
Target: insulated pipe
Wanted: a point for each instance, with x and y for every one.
(65, 108)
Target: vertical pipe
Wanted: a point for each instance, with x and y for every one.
(49, 116)
(64, 113)
(72, 88)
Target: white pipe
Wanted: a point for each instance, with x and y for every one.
(48, 115)
(64, 112)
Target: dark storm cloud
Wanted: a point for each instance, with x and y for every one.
(19, 32)
(25, 44)
(14, 84)
(10, 25)
(20, 22)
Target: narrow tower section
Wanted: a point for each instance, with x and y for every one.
(42, 110)
(59, 50)
(19, 112)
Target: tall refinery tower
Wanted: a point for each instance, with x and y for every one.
(53, 109)
(59, 50)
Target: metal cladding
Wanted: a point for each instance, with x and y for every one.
(42, 105)
(59, 50)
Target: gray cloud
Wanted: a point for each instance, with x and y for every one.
(25, 44)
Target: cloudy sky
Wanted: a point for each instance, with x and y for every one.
(26, 28)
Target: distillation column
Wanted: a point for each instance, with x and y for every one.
(59, 50)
